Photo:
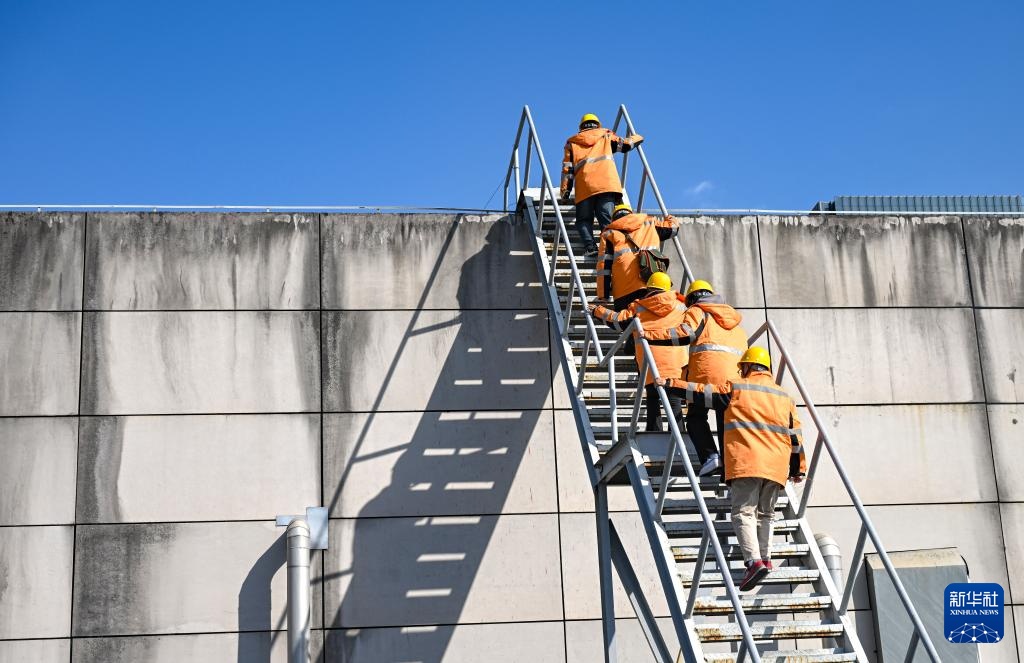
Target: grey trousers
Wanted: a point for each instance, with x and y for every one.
(753, 508)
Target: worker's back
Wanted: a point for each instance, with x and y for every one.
(590, 152)
(715, 353)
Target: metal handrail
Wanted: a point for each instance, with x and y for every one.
(577, 294)
(867, 529)
(648, 176)
(636, 330)
(548, 191)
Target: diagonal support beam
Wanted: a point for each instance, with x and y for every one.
(636, 597)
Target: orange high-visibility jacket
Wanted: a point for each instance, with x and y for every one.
(762, 431)
(659, 310)
(618, 270)
(589, 162)
(715, 355)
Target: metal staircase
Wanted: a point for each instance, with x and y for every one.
(798, 612)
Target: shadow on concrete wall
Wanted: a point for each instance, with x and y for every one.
(419, 570)
(254, 605)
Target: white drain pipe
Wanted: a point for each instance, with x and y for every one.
(304, 533)
(297, 541)
(833, 557)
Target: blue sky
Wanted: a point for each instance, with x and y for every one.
(745, 104)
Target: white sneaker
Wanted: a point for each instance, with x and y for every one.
(712, 464)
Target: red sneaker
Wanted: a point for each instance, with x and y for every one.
(756, 571)
(768, 563)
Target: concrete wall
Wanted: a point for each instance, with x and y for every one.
(907, 329)
(171, 382)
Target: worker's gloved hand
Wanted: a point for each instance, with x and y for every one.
(661, 382)
(567, 198)
(591, 308)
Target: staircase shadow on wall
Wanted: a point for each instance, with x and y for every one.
(416, 572)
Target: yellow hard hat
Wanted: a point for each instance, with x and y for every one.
(589, 117)
(621, 207)
(756, 355)
(659, 280)
(699, 285)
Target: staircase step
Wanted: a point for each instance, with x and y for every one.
(695, 528)
(795, 656)
(682, 484)
(780, 576)
(768, 631)
(733, 552)
(675, 506)
(764, 603)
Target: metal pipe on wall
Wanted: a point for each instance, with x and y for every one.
(297, 542)
(833, 557)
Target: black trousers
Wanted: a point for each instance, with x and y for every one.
(675, 400)
(599, 206)
(700, 430)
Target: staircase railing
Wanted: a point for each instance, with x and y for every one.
(867, 528)
(623, 455)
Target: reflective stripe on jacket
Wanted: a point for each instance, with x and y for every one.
(588, 162)
(618, 269)
(659, 310)
(762, 430)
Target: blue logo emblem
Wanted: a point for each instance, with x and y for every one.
(974, 612)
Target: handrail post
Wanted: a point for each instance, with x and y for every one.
(851, 579)
(526, 168)
(515, 172)
(698, 571)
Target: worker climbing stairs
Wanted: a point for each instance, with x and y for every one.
(799, 610)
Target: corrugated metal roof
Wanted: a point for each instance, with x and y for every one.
(956, 204)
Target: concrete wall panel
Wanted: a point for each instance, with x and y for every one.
(867, 356)
(434, 261)
(181, 578)
(203, 648)
(722, 250)
(584, 642)
(435, 360)
(194, 362)
(581, 584)
(1007, 425)
(188, 260)
(1013, 537)
(440, 463)
(574, 491)
(37, 471)
(41, 261)
(905, 454)
(36, 651)
(1002, 353)
(160, 469)
(995, 249)
(35, 582)
(864, 261)
(39, 353)
(541, 642)
(443, 570)
(973, 528)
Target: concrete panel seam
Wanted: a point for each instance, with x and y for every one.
(984, 391)
(78, 440)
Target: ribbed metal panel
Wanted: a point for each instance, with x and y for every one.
(956, 204)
